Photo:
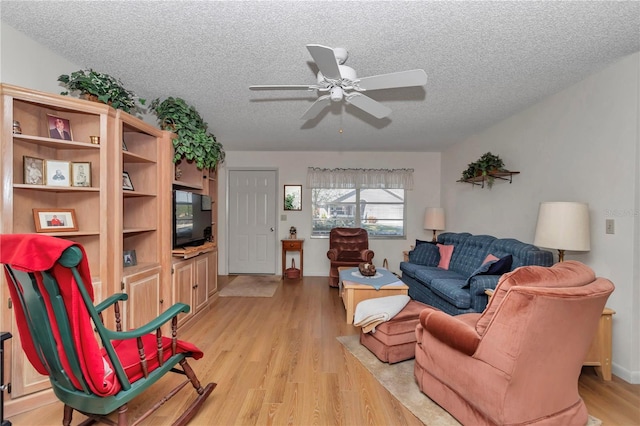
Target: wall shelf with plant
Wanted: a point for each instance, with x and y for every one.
(487, 168)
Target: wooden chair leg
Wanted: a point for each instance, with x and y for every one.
(203, 394)
(68, 414)
(122, 415)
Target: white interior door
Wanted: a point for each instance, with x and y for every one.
(252, 221)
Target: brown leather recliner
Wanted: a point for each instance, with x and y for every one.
(519, 361)
(347, 247)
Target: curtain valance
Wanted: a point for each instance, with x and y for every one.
(360, 178)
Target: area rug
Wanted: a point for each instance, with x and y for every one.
(399, 381)
(251, 286)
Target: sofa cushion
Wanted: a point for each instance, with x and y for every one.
(452, 291)
(446, 251)
(427, 274)
(410, 269)
(418, 242)
(425, 254)
(563, 274)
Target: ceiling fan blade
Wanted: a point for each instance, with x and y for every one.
(326, 60)
(368, 105)
(282, 87)
(316, 107)
(396, 79)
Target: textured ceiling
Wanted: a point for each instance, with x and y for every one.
(485, 60)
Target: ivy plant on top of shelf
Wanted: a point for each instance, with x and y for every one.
(100, 87)
(193, 141)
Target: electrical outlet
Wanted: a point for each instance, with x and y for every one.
(610, 226)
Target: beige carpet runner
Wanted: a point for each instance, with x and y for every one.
(252, 286)
(399, 381)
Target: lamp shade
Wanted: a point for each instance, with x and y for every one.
(434, 218)
(563, 226)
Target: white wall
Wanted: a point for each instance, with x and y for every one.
(578, 145)
(292, 170)
(23, 62)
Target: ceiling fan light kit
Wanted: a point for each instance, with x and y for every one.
(342, 83)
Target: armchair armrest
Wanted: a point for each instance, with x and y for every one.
(332, 254)
(450, 331)
(367, 255)
(152, 325)
(114, 298)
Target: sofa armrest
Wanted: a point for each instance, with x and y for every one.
(478, 284)
(452, 332)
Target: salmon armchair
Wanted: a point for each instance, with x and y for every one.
(347, 247)
(50, 285)
(519, 361)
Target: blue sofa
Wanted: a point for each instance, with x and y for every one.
(461, 288)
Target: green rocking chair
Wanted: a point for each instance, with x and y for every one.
(58, 324)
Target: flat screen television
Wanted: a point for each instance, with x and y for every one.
(191, 218)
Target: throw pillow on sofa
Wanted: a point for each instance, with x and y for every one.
(446, 251)
(425, 254)
(492, 266)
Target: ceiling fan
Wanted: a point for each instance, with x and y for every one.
(342, 83)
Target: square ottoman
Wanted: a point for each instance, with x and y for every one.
(395, 340)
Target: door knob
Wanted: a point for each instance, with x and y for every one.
(272, 229)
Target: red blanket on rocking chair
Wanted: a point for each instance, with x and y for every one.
(36, 253)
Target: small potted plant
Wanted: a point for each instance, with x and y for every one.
(485, 166)
(101, 87)
(193, 141)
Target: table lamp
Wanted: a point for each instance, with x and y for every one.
(434, 219)
(563, 226)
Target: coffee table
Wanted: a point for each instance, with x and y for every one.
(353, 293)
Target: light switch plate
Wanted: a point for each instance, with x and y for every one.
(283, 217)
(610, 226)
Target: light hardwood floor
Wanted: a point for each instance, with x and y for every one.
(277, 361)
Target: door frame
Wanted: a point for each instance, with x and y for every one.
(276, 246)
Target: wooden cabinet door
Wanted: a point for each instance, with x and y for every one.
(213, 272)
(144, 304)
(200, 285)
(183, 276)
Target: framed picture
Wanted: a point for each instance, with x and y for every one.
(55, 220)
(33, 170)
(124, 145)
(80, 174)
(58, 173)
(293, 197)
(59, 128)
(126, 182)
(129, 258)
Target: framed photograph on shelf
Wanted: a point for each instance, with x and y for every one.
(55, 220)
(59, 128)
(129, 258)
(81, 174)
(126, 182)
(124, 145)
(33, 170)
(58, 173)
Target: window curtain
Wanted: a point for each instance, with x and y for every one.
(360, 178)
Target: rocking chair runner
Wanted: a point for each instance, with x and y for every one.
(56, 319)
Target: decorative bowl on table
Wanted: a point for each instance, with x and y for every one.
(367, 269)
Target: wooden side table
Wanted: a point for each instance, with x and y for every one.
(292, 245)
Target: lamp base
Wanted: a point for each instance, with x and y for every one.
(434, 236)
(560, 255)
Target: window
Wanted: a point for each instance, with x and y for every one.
(359, 198)
(379, 211)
